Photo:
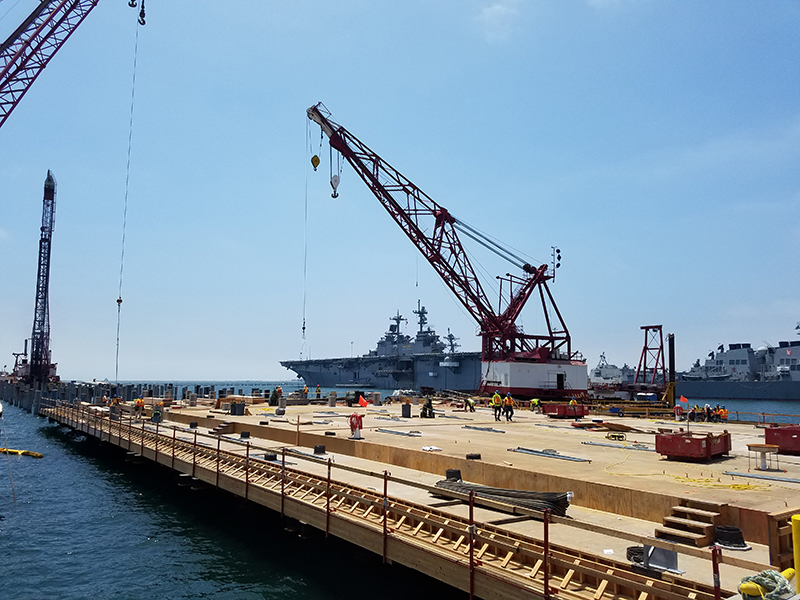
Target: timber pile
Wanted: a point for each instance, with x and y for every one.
(557, 502)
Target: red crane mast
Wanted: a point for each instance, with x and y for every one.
(434, 230)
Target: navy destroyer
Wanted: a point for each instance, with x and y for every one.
(399, 362)
(742, 372)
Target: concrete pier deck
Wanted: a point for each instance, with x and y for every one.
(621, 496)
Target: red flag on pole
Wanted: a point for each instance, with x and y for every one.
(684, 400)
(361, 401)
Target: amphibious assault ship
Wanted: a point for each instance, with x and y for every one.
(399, 362)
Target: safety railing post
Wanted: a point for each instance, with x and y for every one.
(328, 501)
(130, 431)
(546, 570)
(141, 450)
(283, 480)
(471, 545)
(247, 472)
(194, 452)
(156, 457)
(219, 441)
(385, 513)
(716, 551)
(173, 447)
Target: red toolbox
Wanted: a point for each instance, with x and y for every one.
(693, 446)
(787, 438)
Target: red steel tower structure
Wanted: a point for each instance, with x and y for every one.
(651, 362)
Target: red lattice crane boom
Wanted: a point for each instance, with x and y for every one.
(434, 230)
(27, 51)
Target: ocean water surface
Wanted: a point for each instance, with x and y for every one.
(88, 524)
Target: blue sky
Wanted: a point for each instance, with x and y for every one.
(657, 143)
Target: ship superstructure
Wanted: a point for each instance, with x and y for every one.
(398, 362)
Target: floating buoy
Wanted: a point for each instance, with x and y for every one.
(21, 452)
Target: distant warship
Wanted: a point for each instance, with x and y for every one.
(399, 362)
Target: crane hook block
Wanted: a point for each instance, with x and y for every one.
(315, 161)
(334, 185)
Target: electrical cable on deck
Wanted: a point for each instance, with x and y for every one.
(127, 187)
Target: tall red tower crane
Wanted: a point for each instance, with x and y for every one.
(524, 364)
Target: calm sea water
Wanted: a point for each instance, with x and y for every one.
(89, 524)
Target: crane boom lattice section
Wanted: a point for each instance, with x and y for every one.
(27, 51)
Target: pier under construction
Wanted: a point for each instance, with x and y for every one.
(381, 493)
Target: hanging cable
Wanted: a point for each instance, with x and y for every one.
(303, 347)
(125, 203)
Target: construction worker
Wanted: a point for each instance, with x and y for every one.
(723, 414)
(508, 406)
(573, 402)
(139, 404)
(496, 404)
(319, 392)
(469, 405)
(158, 412)
(305, 391)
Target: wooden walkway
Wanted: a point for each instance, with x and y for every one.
(486, 560)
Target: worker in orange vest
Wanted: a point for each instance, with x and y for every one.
(508, 406)
(139, 407)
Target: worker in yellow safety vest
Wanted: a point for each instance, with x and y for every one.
(319, 392)
(139, 407)
(496, 404)
(573, 402)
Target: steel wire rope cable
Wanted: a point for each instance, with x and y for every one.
(13, 6)
(303, 344)
(125, 202)
(8, 457)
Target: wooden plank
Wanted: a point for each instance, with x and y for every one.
(504, 564)
(368, 512)
(417, 528)
(644, 595)
(438, 535)
(535, 569)
(458, 543)
(400, 522)
(481, 551)
(565, 582)
(601, 589)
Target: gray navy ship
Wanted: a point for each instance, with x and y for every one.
(399, 362)
(742, 372)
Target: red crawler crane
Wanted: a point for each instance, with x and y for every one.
(524, 364)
